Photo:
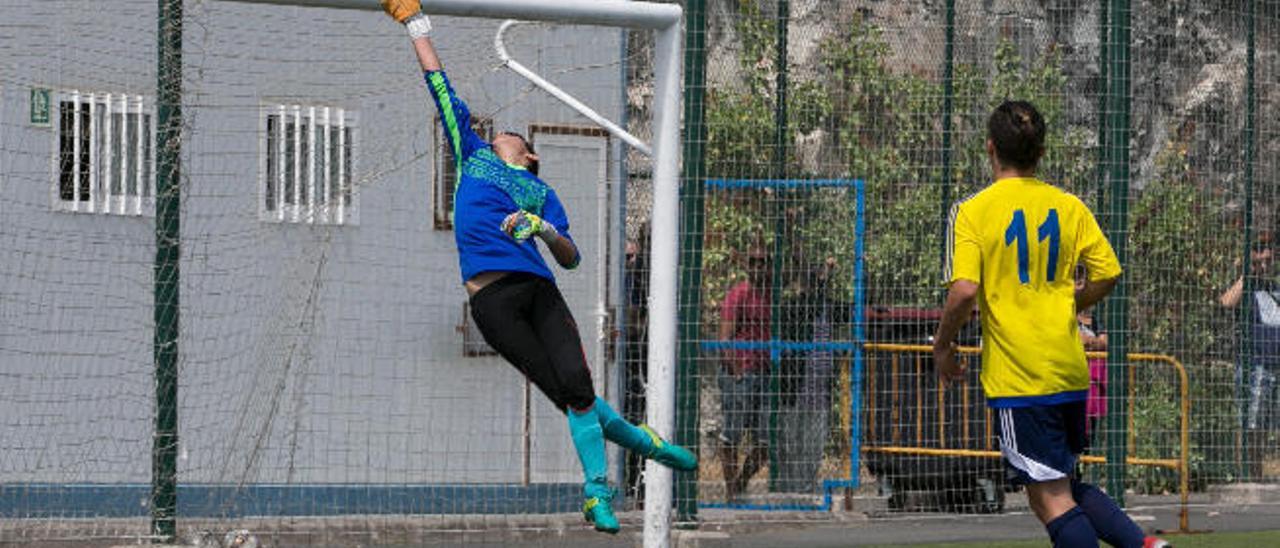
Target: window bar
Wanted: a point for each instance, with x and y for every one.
(340, 218)
(149, 145)
(296, 162)
(124, 155)
(105, 152)
(326, 179)
(75, 151)
(279, 152)
(139, 134)
(348, 179)
(311, 165)
(93, 130)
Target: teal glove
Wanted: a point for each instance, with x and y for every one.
(522, 224)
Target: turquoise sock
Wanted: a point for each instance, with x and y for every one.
(621, 432)
(588, 439)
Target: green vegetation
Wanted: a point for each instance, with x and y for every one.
(880, 121)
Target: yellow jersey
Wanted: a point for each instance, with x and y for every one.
(1019, 240)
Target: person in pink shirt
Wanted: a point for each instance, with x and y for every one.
(1094, 338)
(743, 380)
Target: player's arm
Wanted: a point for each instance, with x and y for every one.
(561, 245)
(963, 274)
(454, 115)
(552, 227)
(564, 250)
(1094, 291)
(426, 51)
(955, 313)
(409, 13)
(1100, 262)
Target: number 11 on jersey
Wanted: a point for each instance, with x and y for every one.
(1017, 232)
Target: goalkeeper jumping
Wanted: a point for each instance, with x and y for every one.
(501, 208)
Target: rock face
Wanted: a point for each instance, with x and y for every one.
(1187, 72)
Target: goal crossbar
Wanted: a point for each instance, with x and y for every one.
(667, 21)
(607, 13)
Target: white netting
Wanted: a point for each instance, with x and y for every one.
(326, 366)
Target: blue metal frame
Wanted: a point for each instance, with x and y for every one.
(120, 500)
(855, 348)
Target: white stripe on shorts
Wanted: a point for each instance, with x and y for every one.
(1009, 448)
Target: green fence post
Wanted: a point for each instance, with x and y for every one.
(948, 95)
(693, 219)
(1245, 308)
(780, 142)
(164, 452)
(1100, 186)
(1117, 304)
(1104, 59)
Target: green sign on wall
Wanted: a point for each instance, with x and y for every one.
(39, 106)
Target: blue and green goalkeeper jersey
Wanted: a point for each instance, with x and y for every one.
(487, 190)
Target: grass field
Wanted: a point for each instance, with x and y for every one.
(1255, 539)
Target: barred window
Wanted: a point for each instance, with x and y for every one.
(106, 158)
(308, 156)
(447, 170)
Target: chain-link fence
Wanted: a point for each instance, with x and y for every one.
(802, 381)
(333, 384)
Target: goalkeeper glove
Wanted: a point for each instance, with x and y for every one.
(408, 12)
(522, 224)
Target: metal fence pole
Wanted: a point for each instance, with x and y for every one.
(780, 243)
(1245, 309)
(948, 96)
(693, 219)
(1117, 305)
(164, 451)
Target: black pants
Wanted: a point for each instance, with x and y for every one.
(526, 320)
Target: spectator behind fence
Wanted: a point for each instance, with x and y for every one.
(743, 379)
(636, 281)
(810, 315)
(1256, 374)
(1094, 338)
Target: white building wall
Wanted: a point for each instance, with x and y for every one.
(309, 354)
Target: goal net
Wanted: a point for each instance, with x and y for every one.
(331, 380)
(333, 387)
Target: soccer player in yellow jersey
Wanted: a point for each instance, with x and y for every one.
(1013, 248)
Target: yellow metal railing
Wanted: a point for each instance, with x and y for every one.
(897, 445)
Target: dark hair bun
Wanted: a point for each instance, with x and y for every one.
(1017, 131)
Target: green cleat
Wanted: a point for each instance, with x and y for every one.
(599, 512)
(669, 454)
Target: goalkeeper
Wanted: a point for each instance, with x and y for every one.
(501, 209)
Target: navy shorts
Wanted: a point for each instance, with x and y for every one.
(1040, 443)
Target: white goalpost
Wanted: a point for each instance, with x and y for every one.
(666, 20)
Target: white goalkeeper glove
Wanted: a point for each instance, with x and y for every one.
(522, 224)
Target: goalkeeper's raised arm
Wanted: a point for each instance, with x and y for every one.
(454, 115)
(409, 13)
